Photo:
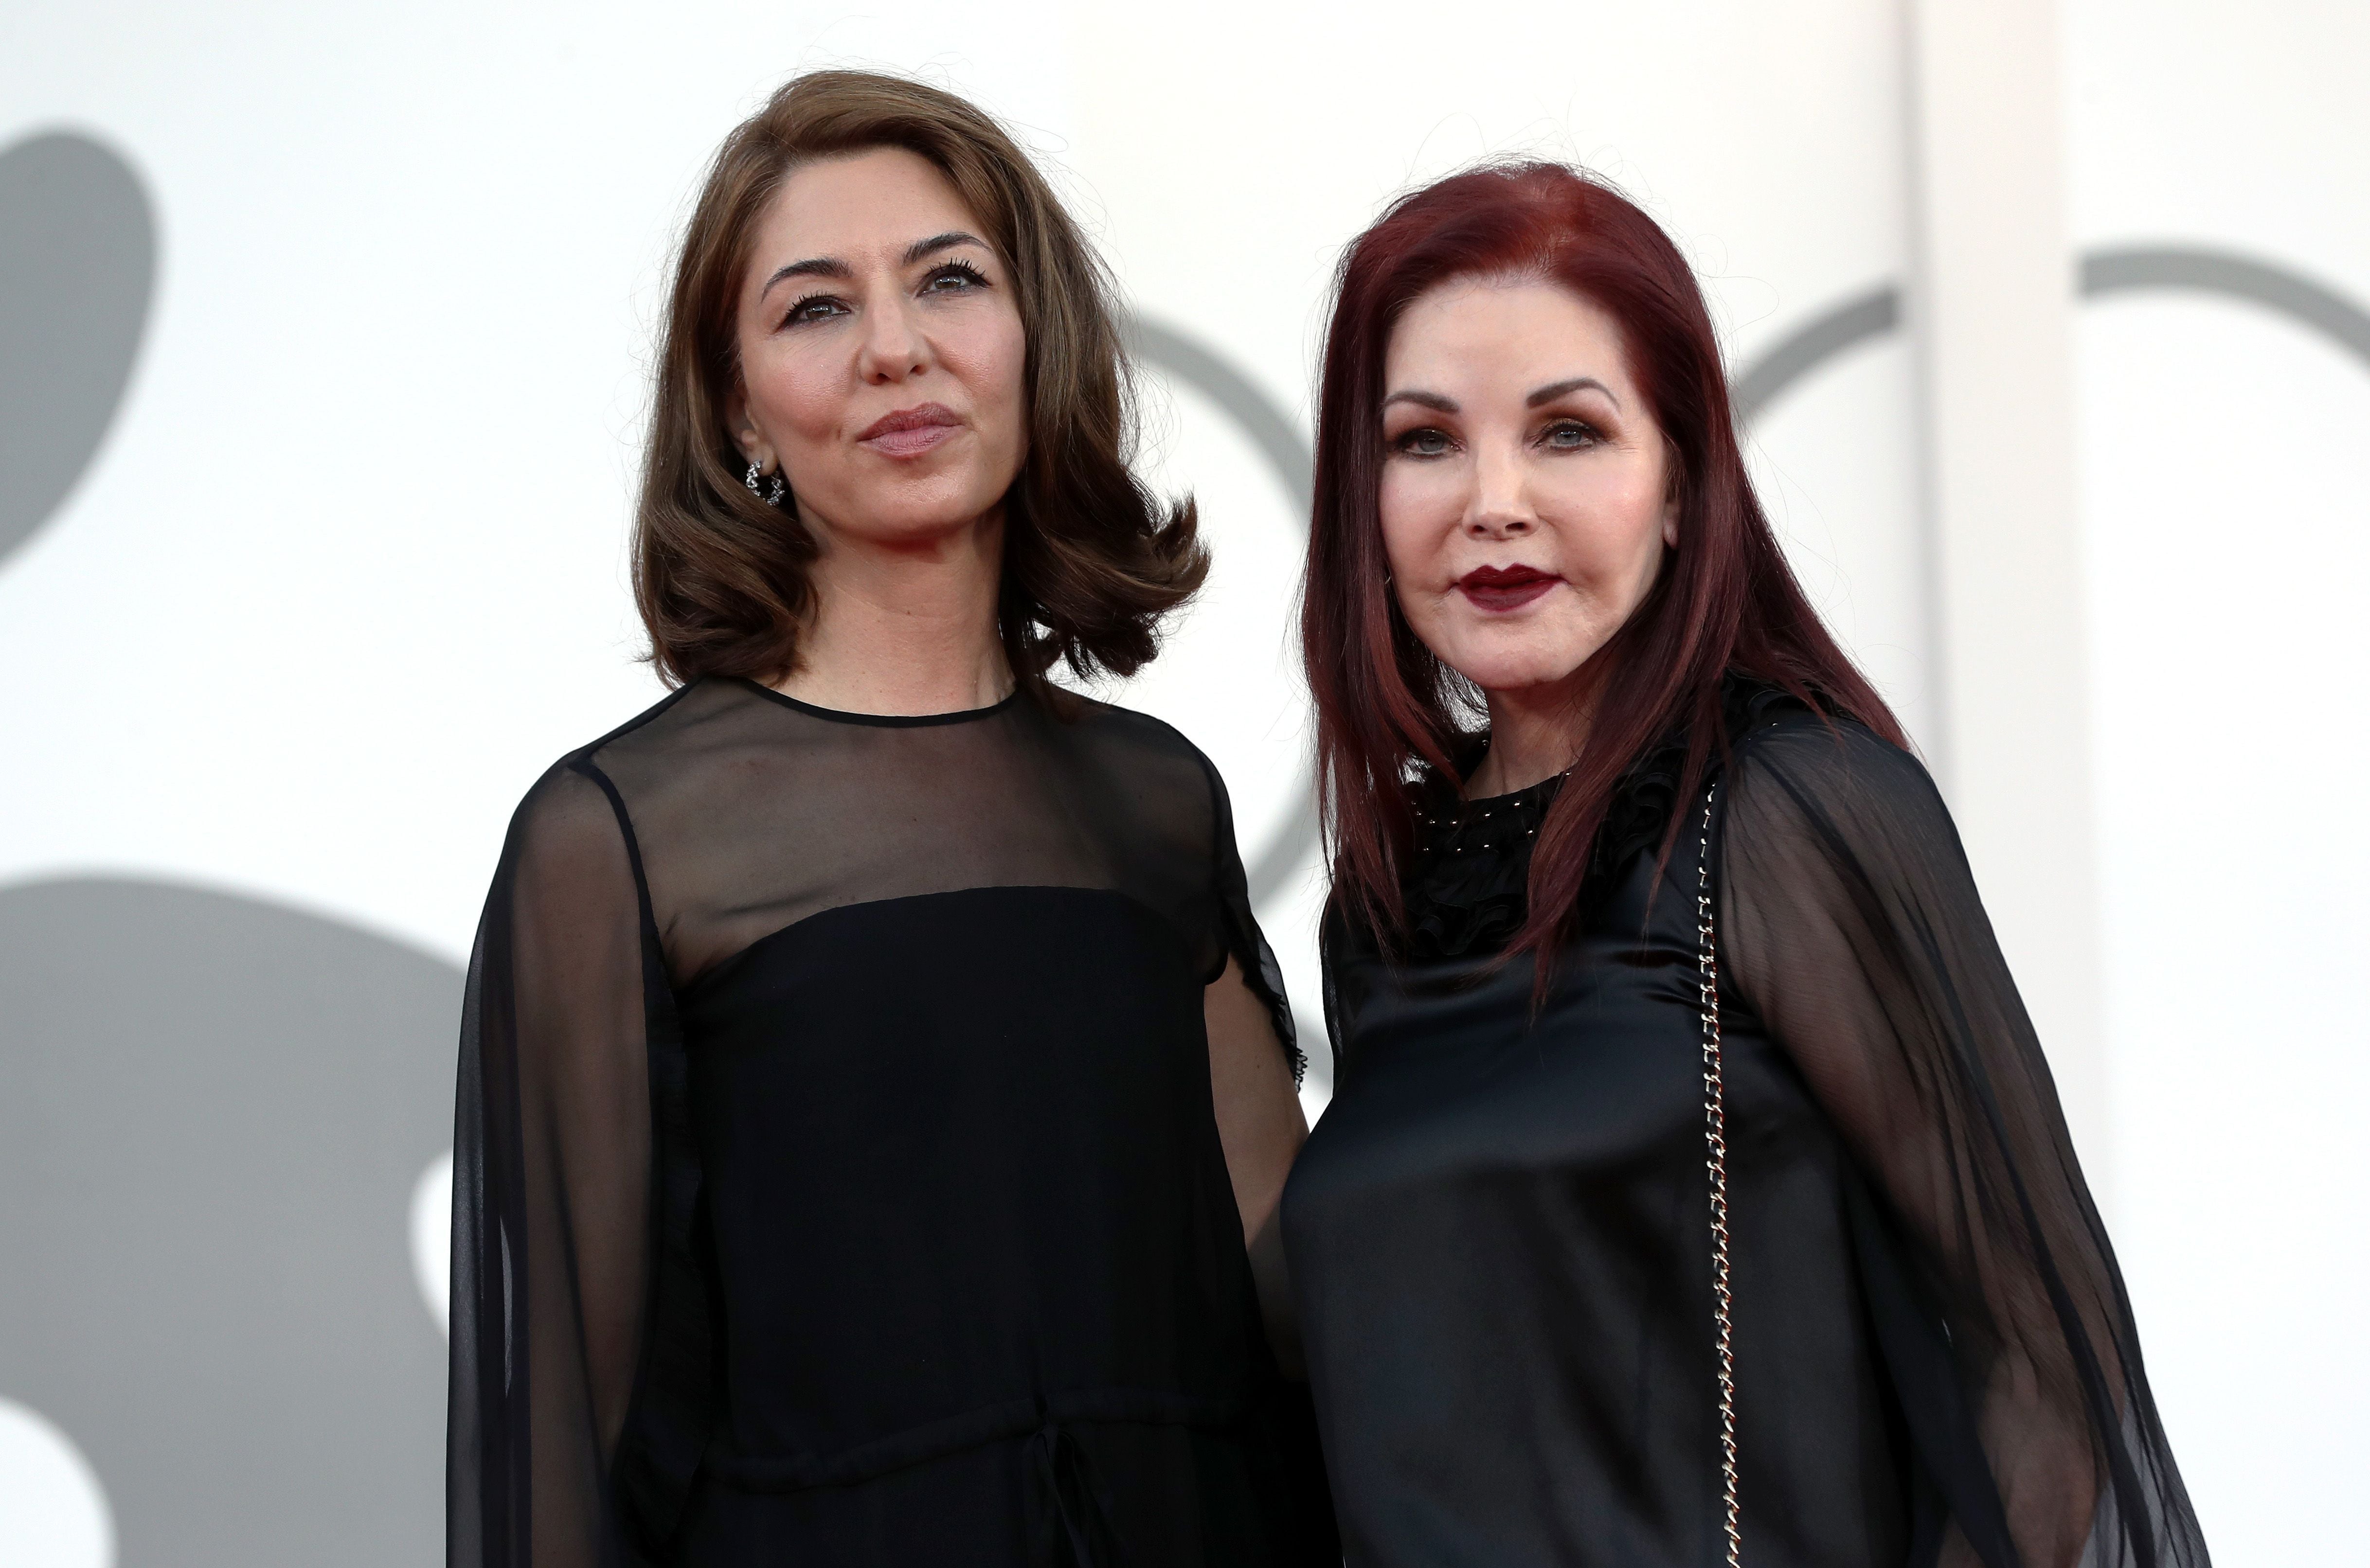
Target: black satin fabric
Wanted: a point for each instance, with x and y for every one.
(1500, 1231)
(837, 1178)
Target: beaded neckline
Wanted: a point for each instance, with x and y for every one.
(1467, 893)
(1492, 822)
(1467, 889)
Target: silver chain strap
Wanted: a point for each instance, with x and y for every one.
(1716, 1163)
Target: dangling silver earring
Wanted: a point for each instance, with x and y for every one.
(772, 495)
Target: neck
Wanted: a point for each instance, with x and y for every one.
(904, 629)
(1535, 732)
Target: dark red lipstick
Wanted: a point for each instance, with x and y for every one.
(1505, 588)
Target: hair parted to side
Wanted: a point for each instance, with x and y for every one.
(1724, 600)
(1091, 561)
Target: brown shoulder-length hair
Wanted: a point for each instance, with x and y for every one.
(1724, 600)
(1091, 561)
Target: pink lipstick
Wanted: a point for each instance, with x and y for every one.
(909, 432)
(1505, 588)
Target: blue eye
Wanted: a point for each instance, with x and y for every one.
(1426, 442)
(1569, 435)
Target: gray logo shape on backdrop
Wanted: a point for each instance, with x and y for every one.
(77, 270)
(1279, 441)
(215, 1113)
(2117, 269)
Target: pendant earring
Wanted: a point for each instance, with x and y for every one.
(772, 495)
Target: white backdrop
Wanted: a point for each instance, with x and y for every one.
(348, 571)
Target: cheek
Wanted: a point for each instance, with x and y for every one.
(793, 392)
(990, 357)
(1414, 552)
(1616, 522)
(1418, 512)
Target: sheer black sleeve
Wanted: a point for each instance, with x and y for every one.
(1852, 927)
(551, 1197)
(1240, 931)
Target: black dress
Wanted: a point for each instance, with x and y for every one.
(1499, 1234)
(836, 1177)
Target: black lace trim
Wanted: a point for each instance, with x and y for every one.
(1469, 890)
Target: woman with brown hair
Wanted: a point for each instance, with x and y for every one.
(1694, 1188)
(875, 1091)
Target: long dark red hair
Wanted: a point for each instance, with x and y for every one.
(1724, 600)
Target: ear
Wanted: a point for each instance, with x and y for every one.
(743, 429)
(1671, 519)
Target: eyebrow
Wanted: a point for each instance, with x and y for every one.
(814, 267)
(833, 267)
(1554, 390)
(1548, 393)
(948, 241)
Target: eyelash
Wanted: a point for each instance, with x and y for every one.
(1404, 443)
(1591, 435)
(972, 277)
(795, 316)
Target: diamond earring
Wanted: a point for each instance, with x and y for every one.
(772, 495)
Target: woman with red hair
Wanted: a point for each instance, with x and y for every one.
(1694, 1186)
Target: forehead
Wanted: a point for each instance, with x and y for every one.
(1523, 332)
(858, 206)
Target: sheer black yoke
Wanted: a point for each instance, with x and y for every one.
(1500, 1239)
(836, 1175)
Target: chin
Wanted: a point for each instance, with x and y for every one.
(929, 510)
(1508, 682)
(1516, 669)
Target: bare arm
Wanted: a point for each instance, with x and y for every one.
(1261, 1128)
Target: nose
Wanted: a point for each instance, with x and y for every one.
(1500, 506)
(892, 349)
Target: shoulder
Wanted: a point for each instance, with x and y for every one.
(575, 795)
(1832, 782)
(566, 820)
(1119, 726)
(677, 723)
(1153, 747)
(1810, 750)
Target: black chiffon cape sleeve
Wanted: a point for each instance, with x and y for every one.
(553, 1211)
(1852, 928)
